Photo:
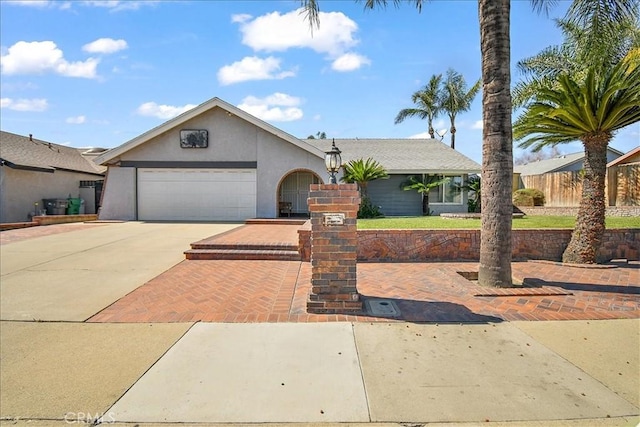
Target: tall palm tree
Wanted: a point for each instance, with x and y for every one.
(455, 98)
(362, 172)
(427, 104)
(590, 110)
(497, 151)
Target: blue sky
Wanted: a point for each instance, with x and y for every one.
(99, 73)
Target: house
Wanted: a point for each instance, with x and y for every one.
(32, 170)
(219, 163)
(563, 163)
(403, 158)
(559, 178)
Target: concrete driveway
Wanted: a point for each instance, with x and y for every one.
(71, 276)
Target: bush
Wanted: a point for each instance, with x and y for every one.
(368, 210)
(528, 197)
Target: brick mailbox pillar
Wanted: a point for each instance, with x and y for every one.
(334, 243)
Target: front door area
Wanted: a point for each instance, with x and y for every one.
(293, 193)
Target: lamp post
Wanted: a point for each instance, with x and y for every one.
(333, 161)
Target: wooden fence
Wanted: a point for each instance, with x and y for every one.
(565, 188)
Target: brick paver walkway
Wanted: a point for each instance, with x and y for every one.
(276, 291)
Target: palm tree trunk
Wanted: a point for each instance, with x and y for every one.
(497, 150)
(590, 226)
(425, 204)
(453, 137)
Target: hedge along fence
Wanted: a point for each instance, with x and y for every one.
(464, 245)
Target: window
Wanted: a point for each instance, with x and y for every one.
(448, 192)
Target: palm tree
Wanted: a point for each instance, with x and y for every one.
(474, 185)
(362, 172)
(590, 110)
(423, 185)
(497, 151)
(427, 104)
(455, 98)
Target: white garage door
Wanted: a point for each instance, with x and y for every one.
(196, 194)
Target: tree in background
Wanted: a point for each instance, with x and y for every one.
(423, 185)
(427, 101)
(455, 98)
(319, 135)
(473, 186)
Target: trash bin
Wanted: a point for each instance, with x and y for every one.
(55, 206)
(73, 207)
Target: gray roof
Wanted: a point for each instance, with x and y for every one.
(22, 152)
(540, 167)
(403, 155)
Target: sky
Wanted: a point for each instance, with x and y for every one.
(99, 73)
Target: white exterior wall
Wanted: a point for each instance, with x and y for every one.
(119, 194)
(21, 189)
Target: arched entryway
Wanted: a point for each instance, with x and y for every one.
(293, 193)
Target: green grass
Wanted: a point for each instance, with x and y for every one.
(436, 222)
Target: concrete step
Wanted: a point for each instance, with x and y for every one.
(243, 254)
(281, 221)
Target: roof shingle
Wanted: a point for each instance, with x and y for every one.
(23, 151)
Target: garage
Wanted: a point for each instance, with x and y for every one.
(196, 194)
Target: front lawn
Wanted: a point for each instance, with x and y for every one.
(436, 222)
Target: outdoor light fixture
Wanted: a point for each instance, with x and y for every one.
(333, 161)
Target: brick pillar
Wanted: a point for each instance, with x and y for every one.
(334, 243)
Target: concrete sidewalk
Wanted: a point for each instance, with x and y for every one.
(520, 372)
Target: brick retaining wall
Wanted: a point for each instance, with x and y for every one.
(464, 245)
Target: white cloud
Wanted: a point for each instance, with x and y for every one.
(76, 120)
(241, 17)
(41, 57)
(276, 32)
(105, 45)
(119, 5)
(29, 3)
(151, 109)
(35, 105)
(252, 68)
(422, 135)
(349, 62)
(477, 124)
(278, 107)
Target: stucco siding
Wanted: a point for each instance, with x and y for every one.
(119, 196)
(21, 189)
(230, 139)
(276, 158)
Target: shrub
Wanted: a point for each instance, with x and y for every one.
(368, 210)
(528, 197)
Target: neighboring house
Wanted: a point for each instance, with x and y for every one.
(32, 170)
(563, 163)
(559, 178)
(403, 158)
(217, 162)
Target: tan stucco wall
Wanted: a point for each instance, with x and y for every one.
(20, 189)
(230, 139)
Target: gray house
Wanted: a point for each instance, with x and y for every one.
(32, 170)
(219, 163)
(562, 163)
